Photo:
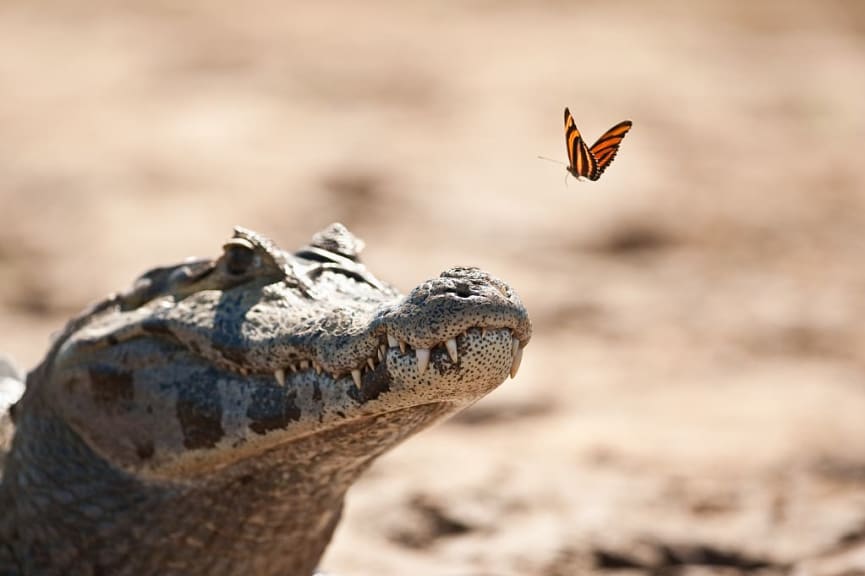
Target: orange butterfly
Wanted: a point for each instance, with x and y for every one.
(585, 162)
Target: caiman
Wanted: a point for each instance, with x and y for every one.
(210, 420)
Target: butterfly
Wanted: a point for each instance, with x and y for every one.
(585, 162)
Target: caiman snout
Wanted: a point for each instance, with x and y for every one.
(459, 299)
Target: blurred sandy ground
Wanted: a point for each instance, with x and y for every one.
(693, 401)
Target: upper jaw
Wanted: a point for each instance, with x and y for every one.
(347, 341)
(459, 299)
(343, 341)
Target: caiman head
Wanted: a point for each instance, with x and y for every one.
(211, 419)
(213, 361)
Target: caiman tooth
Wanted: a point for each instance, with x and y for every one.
(515, 366)
(483, 332)
(380, 353)
(292, 367)
(304, 364)
(392, 341)
(518, 357)
(370, 363)
(402, 346)
(317, 367)
(279, 374)
(451, 345)
(422, 359)
(515, 345)
(355, 375)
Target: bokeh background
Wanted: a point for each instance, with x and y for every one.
(693, 400)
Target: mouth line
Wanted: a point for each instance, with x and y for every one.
(387, 344)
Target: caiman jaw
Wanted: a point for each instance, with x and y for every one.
(389, 345)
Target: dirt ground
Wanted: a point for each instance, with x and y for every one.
(693, 400)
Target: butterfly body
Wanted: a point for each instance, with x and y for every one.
(590, 162)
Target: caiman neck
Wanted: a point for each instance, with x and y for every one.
(273, 513)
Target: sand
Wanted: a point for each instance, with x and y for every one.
(693, 399)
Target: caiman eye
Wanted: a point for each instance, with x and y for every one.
(239, 256)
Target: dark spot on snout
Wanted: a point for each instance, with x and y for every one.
(441, 362)
(272, 409)
(111, 387)
(201, 422)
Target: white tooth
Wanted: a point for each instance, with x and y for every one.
(304, 364)
(355, 375)
(292, 367)
(402, 346)
(380, 353)
(515, 365)
(515, 345)
(391, 341)
(451, 345)
(280, 377)
(483, 332)
(422, 359)
(317, 367)
(334, 375)
(371, 364)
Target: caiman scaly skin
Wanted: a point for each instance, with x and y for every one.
(210, 420)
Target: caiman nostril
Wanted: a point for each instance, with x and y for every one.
(463, 290)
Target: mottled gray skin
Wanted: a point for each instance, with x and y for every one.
(208, 421)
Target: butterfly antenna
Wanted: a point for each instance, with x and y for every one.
(552, 160)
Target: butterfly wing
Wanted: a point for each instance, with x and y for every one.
(581, 162)
(605, 149)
